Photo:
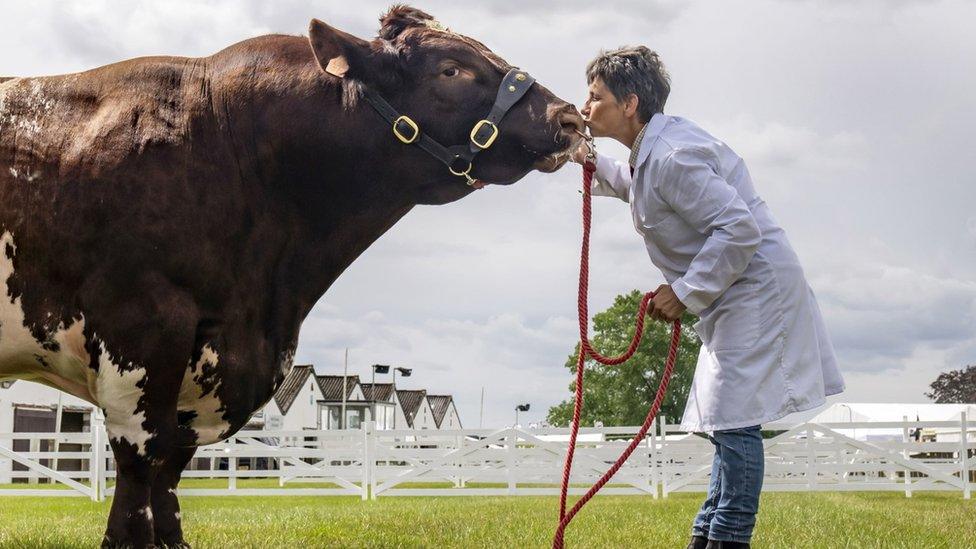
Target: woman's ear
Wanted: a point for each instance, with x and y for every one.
(631, 104)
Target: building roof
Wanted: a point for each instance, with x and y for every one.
(439, 404)
(331, 387)
(290, 387)
(384, 391)
(883, 411)
(410, 401)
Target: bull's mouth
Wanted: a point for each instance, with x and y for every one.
(552, 162)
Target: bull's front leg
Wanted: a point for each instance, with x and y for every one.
(138, 384)
(165, 504)
(130, 522)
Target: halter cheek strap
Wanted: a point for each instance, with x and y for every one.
(459, 159)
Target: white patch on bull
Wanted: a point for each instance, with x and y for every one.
(27, 176)
(209, 422)
(437, 25)
(60, 361)
(33, 104)
(117, 392)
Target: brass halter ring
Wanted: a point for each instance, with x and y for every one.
(590, 145)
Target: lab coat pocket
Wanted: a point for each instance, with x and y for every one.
(731, 326)
(669, 231)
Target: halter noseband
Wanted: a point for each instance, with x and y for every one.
(458, 158)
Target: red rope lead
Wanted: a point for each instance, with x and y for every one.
(586, 349)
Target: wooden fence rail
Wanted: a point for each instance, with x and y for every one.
(369, 463)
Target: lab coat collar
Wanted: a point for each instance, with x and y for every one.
(654, 127)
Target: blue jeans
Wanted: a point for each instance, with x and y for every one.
(729, 511)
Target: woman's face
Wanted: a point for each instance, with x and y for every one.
(604, 115)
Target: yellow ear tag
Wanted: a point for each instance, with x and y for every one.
(337, 66)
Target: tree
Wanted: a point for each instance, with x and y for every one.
(957, 386)
(623, 394)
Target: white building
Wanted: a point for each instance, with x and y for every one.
(27, 407)
(415, 409)
(295, 405)
(445, 412)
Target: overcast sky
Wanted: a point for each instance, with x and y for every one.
(855, 118)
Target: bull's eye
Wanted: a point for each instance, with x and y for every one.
(451, 72)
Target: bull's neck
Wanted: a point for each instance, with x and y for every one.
(338, 185)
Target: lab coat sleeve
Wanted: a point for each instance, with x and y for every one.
(611, 178)
(696, 192)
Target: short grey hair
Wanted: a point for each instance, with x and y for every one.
(633, 70)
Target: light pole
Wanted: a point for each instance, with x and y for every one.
(404, 372)
(520, 408)
(383, 369)
(850, 419)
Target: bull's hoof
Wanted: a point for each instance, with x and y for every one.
(111, 542)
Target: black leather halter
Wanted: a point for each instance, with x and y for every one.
(459, 159)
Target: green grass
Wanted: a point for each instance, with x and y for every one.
(866, 519)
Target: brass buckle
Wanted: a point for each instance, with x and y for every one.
(412, 124)
(464, 173)
(477, 127)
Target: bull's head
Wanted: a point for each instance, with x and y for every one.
(447, 83)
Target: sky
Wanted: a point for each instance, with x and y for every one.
(854, 117)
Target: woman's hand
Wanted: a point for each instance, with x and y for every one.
(579, 155)
(665, 305)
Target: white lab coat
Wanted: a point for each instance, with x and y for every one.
(765, 351)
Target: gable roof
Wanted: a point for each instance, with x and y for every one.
(331, 387)
(290, 387)
(384, 391)
(440, 404)
(410, 401)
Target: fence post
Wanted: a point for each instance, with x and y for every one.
(510, 459)
(652, 457)
(905, 439)
(811, 459)
(232, 464)
(664, 458)
(368, 479)
(96, 465)
(964, 454)
(459, 480)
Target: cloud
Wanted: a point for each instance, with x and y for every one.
(513, 359)
(881, 316)
(850, 116)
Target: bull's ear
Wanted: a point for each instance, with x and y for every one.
(338, 53)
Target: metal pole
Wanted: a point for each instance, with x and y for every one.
(481, 419)
(395, 398)
(345, 370)
(372, 393)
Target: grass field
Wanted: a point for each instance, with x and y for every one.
(808, 520)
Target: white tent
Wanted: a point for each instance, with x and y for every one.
(844, 412)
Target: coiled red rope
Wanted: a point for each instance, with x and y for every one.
(586, 350)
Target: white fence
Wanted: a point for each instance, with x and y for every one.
(370, 463)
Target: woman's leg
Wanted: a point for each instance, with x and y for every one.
(741, 468)
(703, 519)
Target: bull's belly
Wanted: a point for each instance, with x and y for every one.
(58, 360)
(61, 360)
